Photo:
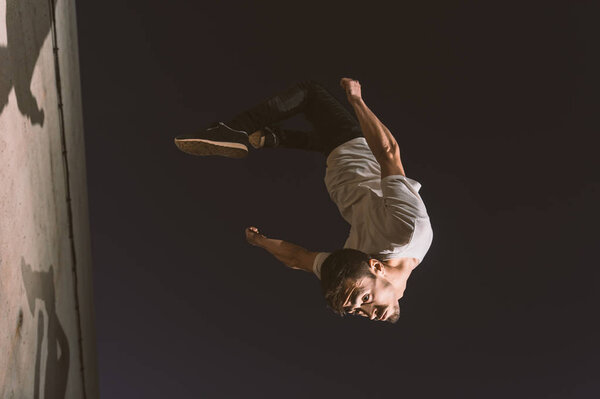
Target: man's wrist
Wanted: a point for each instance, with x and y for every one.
(261, 241)
(356, 102)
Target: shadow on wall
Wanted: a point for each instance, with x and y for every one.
(28, 23)
(40, 285)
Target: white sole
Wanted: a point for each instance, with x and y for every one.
(211, 147)
(219, 143)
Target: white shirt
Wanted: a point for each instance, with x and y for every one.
(387, 216)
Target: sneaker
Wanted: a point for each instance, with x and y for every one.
(218, 139)
(271, 135)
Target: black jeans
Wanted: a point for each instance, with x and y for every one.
(333, 123)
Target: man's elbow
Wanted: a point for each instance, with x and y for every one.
(390, 162)
(304, 260)
(392, 150)
(388, 152)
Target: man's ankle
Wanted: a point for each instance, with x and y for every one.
(257, 139)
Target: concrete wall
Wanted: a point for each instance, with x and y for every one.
(47, 339)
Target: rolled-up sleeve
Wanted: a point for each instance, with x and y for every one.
(319, 259)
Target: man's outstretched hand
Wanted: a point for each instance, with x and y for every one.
(253, 236)
(352, 88)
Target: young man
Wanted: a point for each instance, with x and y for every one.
(390, 228)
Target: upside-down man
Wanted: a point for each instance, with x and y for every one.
(390, 229)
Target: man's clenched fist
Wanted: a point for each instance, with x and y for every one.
(253, 236)
(352, 88)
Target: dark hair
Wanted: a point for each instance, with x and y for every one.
(342, 265)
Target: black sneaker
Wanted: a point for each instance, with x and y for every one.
(218, 139)
(271, 135)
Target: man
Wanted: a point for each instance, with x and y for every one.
(390, 228)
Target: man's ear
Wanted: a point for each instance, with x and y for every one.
(376, 267)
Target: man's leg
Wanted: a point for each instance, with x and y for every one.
(275, 136)
(333, 124)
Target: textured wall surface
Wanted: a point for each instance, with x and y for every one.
(47, 340)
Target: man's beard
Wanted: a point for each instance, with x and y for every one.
(395, 316)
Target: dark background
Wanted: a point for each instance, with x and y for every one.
(490, 104)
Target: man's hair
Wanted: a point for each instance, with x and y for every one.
(339, 267)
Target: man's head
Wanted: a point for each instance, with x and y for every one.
(354, 283)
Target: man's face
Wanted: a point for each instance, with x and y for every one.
(373, 297)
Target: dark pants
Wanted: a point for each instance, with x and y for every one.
(333, 123)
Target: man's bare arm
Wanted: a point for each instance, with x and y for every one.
(292, 255)
(382, 143)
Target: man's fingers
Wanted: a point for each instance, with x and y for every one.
(350, 86)
(252, 232)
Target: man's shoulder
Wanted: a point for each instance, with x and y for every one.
(355, 146)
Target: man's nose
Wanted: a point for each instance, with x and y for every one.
(370, 311)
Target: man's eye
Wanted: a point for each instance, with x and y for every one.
(366, 298)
